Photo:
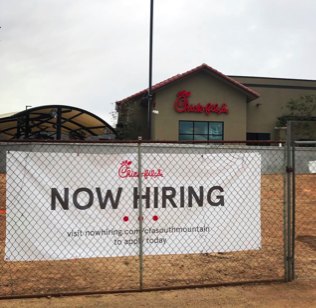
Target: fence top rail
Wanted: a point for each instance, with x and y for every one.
(305, 142)
(144, 141)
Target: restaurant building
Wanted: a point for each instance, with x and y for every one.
(204, 104)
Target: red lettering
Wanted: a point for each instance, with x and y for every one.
(182, 102)
(201, 108)
(182, 105)
(152, 173)
(126, 172)
(159, 173)
(208, 108)
(223, 109)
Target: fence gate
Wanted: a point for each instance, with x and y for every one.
(96, 217)
(304, 209)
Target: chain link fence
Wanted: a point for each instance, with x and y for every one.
(88, 217)
(304, 201)
(301, 197)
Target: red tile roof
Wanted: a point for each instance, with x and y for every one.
(179, 76)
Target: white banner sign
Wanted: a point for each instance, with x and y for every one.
(66, 206)
(312, 166)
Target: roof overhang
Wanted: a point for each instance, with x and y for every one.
(250, 94)
(53, 121)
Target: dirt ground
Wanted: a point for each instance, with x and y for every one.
(100, 274)
(298, 294)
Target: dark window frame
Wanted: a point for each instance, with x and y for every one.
(258, 136)
(208, 130)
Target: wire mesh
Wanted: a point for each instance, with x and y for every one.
(69, 215)
(219, 264)
(305, 217)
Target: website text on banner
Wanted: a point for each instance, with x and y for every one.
(66, 206)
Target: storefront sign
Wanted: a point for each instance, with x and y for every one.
(182, 105)
(67, 206)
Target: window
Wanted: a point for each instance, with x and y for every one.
(258, 136)
(192, 130)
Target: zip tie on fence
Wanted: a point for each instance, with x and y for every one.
(78, 152)
(3, 211)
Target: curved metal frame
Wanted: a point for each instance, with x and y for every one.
(61, 119)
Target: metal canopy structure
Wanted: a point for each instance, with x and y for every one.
(55, 122)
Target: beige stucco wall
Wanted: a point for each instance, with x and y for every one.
(257, 116)
(263, 112)
(205, 88)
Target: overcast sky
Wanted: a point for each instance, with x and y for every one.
(91, 53)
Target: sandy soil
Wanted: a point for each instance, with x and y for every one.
(305, 250)
(99, 274)
(298, 294)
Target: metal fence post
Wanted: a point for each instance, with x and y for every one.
(293, 211)
(289, 170)
(285, 214)
(140, 215)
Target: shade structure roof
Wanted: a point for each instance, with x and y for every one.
(53, 122)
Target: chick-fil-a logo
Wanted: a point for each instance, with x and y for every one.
(182, 105)
(126, 172)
